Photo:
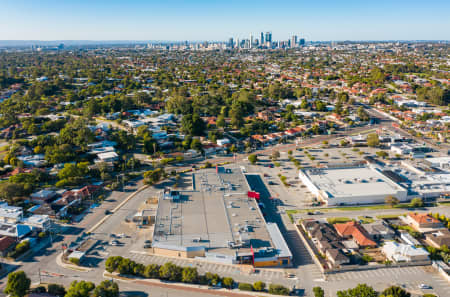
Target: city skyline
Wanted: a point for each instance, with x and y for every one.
(217, 20)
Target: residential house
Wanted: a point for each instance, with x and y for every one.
(380, 230)
(336, 257)
(17, 231)
(87, 192)
(7, 244)
(223, 141)
(326, 240)
(407, 238)
(265, 115)
(43, 196)
(108, 157)
(400, 252)
(439, 238)
(46, 209)
(10, 214)
(41, 222)
(423, 221)
(356, 232)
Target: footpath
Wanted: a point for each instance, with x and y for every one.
(184, 287)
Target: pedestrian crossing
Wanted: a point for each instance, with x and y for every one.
(203, 267)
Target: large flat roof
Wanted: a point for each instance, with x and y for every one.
(211, 215)
(351, 181)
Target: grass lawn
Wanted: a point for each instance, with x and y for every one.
(290, 212)
(365, 220)
(353, 208)
(338, 220)
(389, 216)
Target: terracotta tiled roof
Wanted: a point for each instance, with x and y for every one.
(354, 230)
(423, 218)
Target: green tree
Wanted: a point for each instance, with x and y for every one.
(394, 291)
(382, 154)
(106, 288)
(112, 263)
(189, 275)
(56, 290)
(318, 292)
(196, 144)
(220, 122)
(212, 278)
(361, 290)
(153, 176)
(18, 284)
(252, 158)
(245, 287)
(278, 290)
(228, 282)
(152, 271)
(391, 200)
(9, 190)
(237, 115)
(170, 271)
(193, 125)
(416, 202)
(259, 286)
(373, 140)
(275, 155)
(80, 289)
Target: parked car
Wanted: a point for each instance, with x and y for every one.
(424, 286)
(114, 243)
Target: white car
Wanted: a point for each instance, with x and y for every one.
(423, 286)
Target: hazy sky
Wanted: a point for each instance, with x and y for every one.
(219, 20)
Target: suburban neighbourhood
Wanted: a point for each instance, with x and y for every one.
(235, 168)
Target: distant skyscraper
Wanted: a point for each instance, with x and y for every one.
(262, 39)
(251, 41)
(231, 42)
(302, 41)
(269, 37)
(294, 41)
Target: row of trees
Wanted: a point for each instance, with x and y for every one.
(172, 272)
(18, 285)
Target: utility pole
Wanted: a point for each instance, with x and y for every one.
(40, 281)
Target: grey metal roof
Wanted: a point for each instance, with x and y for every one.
(278, 240)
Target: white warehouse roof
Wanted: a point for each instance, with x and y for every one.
(351, 185)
